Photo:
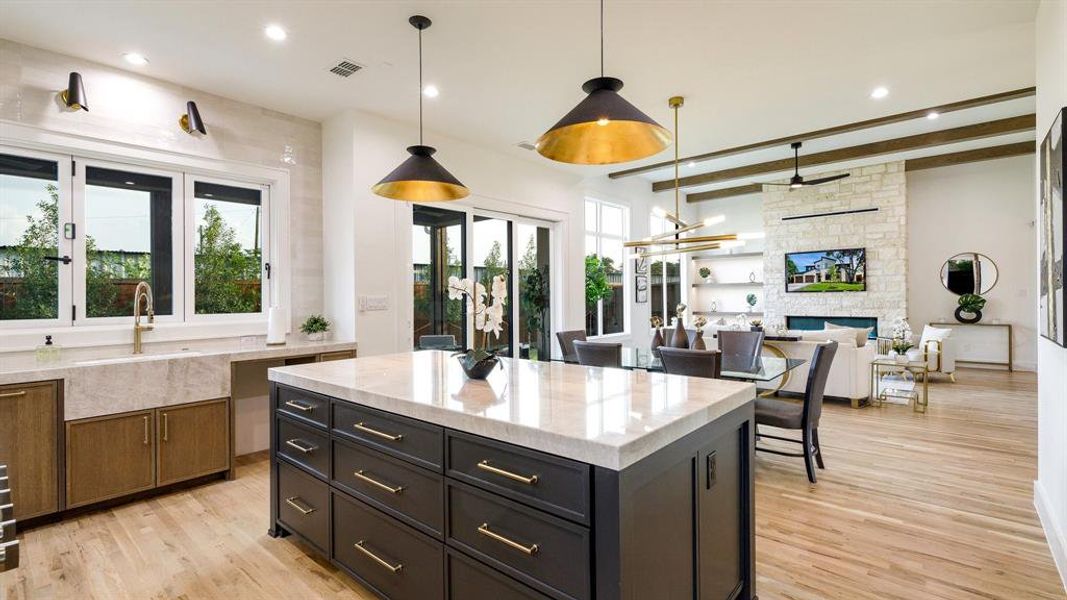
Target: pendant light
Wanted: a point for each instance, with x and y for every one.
(420, 178)
(604, 128)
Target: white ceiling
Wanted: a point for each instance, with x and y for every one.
(507, 70)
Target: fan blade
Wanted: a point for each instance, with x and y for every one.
(822, 180)
(775, 183)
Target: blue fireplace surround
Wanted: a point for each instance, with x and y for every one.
(819, 323)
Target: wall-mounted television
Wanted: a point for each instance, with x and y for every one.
(842, 270)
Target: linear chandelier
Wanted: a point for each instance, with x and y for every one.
(672, 241)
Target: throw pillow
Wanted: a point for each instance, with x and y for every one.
(830, 335)
(934, 333)
(861, 333)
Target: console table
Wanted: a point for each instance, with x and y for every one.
(986, 335)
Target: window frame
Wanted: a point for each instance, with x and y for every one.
(658, 224)
(599, 235)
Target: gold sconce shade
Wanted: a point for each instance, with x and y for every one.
(74, 96)
(603, 129)
(420, 178)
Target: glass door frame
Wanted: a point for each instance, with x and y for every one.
(438, 279)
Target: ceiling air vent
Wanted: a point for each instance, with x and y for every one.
(345, 67)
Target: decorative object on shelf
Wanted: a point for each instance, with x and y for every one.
(603, 128)
(752, 277)
(751, 300)
(698, 343)
(421, 178)
(315, 327)
(191, 122)
(657, 337)
(740, 322)
(74, 96)
(487, 311)
(969, 273)
(901, 339)
(756, 325)
(838, 270)
(970, 308)
(705, 273)
(680, 339)
(641, 289)
(714, 307)
(796, 181)
(1052, 234)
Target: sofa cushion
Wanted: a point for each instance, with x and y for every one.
(841, 336)
(934, 333)
(862, 333)
(779, 412)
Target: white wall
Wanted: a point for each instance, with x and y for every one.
(984, 207)
(1050, 489)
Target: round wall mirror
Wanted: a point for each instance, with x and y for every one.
(969, 273)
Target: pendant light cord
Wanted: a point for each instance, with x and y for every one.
(677, 206)
(420, 86)
(601, 38)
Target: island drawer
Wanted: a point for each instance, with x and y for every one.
(548, 553)
(304, 446)
(554, 484)
(411, 440)
(304, 505)
(410, 493)
(468, 578)
(305, 406)
(395, 560)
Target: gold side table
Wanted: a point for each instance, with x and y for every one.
(881, 386)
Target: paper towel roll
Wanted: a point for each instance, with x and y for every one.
(275, 326)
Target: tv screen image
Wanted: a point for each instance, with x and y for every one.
(826, 271)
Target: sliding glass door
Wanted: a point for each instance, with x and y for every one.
(492, 258)
(438, 251)
(534, 314)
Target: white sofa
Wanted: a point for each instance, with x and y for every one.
(850, 373)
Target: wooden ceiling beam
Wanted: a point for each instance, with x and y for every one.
(837, 130)
(902, 144)
(741, 190)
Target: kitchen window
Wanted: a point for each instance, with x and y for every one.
(665, 276)
(606, 227)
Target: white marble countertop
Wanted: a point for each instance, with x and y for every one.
(606, 417)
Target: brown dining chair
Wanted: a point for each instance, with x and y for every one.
(566, 342)
(596, 354)
(668, 336)
(694, 363)
(790, 414)
(740, 349)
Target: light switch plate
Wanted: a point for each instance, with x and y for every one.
(368, 303)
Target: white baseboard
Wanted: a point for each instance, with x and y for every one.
(1054, 532)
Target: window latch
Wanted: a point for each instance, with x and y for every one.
(63, 259)
(267, 267)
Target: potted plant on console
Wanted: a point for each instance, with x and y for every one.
(970, 308)
(487, 309)
(315, 327)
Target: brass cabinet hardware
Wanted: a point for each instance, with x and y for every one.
(299, 406)
(17, 394)
(145, 429)
(528, 550)
(393, 490)
(295, 443)
(291, 501)
(485, 466)
(362, 548)
(388, 436)
(166, 428)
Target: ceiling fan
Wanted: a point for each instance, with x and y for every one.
(796, 181)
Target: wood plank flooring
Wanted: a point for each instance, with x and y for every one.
(910, 507)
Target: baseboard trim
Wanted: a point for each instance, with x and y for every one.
(1057, 543)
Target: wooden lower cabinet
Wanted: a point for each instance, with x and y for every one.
(110, 456)
(193, 440)
(29, 446)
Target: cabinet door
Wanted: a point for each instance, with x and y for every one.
(194, 440)
(109, 457)
(29, 446)
(720, 514)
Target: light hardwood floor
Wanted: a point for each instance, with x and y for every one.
(910, 507)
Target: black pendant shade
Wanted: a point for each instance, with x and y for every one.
(191, 120)
(603, 129)
(420, 178)
(74, 96)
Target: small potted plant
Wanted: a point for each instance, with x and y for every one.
(751, 299)
(486, 307)
(756, 325)
(315, 327)
(970, 308)
(901, 341)
(705, 273)
(699, 323)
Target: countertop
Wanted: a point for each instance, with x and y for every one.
(607, 417)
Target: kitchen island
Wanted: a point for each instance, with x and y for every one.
(546, 480)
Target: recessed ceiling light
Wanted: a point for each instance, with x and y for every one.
(430, 91)
(135, 59)
(879, 92)
(932, 115)
(130, 183)
(275, 32)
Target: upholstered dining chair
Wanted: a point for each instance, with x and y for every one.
(740, 349)
(694, 363)
(597, 354)
(567, 339)
(437, 342)
(804, 416)
(668, 336)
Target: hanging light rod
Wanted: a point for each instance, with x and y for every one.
(726, 237)
(420, 178)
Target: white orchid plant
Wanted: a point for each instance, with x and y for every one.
(902, 336)
(487, 309)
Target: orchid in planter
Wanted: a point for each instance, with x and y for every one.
(902, 336)
(487, 311)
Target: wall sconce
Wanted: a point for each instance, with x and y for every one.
(191, 120)
(74, 96)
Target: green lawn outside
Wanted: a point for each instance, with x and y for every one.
(832, 286)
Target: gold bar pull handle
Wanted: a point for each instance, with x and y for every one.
(291, 501)
(361, 546)
(301, 406)
(392, 490)
(166, 428)
(145, 430)
(528, 550)
(362, 426)
(301, 445)
(17, 394)
(528, 480)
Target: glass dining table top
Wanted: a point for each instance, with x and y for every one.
(770, 367)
